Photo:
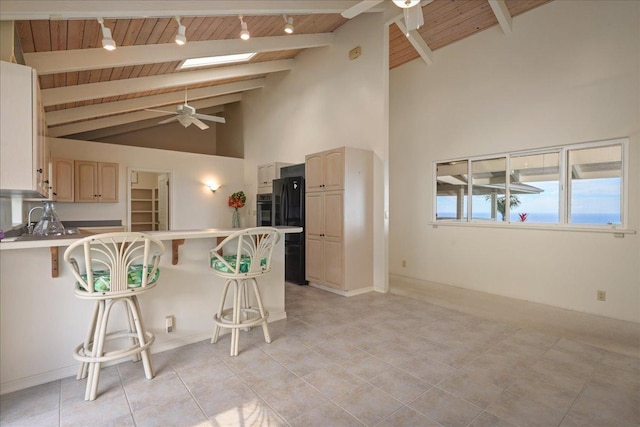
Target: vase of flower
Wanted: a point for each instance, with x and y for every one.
(235, 223)
(236, 201)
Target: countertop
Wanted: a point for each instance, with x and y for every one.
(204, 233)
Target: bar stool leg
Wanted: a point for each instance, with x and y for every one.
(88, 342)
(237, 309)
(264, 314)
(142, 336)
(94, 369)
(216, 329)
(132, 329)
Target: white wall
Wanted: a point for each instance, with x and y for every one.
(569, 72)
(325, 101)
(193, 205)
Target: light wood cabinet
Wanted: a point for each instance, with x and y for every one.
(325, 171)
(95, 182)
(339, 222)
(266, 174)
(24, 150)
(63, 173)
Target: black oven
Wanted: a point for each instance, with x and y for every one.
(264, 211)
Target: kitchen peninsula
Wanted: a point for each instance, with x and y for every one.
(42, 321)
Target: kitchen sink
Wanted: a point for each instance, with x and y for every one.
(69, 233)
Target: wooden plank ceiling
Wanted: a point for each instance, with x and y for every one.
(445, 22)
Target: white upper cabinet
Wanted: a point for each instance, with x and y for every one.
(24, 152)
(266, 174)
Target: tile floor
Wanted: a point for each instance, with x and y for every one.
(373, 359)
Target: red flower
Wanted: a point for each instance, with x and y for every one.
(237, 200)
(523, 217)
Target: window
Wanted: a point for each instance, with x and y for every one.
(488, 189)
(581, 185)
(595, 185)
(535, 188)
(452, 185)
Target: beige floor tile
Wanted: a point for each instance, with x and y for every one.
(427, 369)
(294, 400)
(407, 417)
(445, 408)
(486, 419)
(333, 381)
(524, 412)
(479, 387)
(327, 414)
(30, 403)
(402, 386)
(368, 404)
(177, 411)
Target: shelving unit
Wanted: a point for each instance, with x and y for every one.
(144, 209)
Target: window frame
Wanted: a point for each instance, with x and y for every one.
(564, 189)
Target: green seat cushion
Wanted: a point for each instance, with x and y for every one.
(245, 264)
(102, 278)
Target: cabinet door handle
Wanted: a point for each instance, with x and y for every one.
(55, 194)
(39, 170)
(46, 181)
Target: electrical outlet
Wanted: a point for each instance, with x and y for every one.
(404, 263)
(168, 323)
(602, 295)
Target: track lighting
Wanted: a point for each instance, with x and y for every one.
(244, 32)
(107, 41)
(181, 38)
(288, 26)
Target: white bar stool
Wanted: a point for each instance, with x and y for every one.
(117, 268)
(247, 257)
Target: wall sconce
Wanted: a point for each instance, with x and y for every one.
(213, 187)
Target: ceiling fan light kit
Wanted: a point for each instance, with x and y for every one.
(107, 41)
(405, 4)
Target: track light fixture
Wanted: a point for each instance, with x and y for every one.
(244, 32)
(181, 38)
(107, 41)
(288, 26)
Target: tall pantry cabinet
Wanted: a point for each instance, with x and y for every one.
(339, 219)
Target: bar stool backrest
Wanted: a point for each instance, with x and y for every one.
(121, 262)
(251, 248)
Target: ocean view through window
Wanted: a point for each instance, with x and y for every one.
(572, 185)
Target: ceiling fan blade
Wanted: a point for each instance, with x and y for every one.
(198, 123)
(358, 8)
(210, 118)
(169, 120)
(413, 17)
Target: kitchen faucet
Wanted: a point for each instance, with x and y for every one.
(29, 225)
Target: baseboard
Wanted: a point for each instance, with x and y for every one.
(341, 292)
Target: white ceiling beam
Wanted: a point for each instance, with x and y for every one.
(501, 11)
(63, 95)
(55, 118)
(64, 61)
(417, 42)
(120, 119)
(83, 9)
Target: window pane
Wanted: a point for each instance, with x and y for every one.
(535, 188)
(488, 189)
(595, 178)
(451, 190)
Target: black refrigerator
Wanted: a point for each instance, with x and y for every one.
(288, 209)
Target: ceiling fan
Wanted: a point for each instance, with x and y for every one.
(413, 18)
(186, 115)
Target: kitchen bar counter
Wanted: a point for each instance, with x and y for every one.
(42, 320)
(46, 242)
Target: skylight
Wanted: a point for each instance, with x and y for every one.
(215, 60)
